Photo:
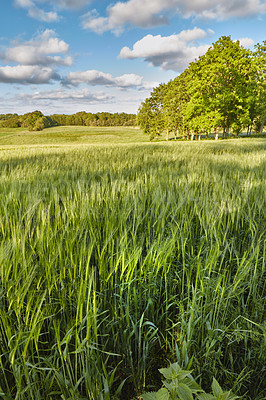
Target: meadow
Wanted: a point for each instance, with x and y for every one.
(119, 255)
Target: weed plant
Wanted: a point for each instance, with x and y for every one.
(116, 259)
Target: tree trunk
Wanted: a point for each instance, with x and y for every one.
(262, 125)
(192, 136)
(199, 137)
(175, 132)
(167, 134)
(216, 135)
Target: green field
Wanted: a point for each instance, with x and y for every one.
(63, 135)
(119, 256)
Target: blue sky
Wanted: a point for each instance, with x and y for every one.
(65, 56)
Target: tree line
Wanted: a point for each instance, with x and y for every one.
(36, 121)
(222, 91)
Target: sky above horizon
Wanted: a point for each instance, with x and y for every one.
(65, 56)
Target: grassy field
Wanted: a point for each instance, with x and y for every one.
(63, 135)
(118, 256)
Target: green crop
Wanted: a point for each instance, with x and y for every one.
(115, 258)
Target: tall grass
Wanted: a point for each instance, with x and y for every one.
(117, 258)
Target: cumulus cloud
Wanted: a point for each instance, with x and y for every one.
(98, 78)
(92, 21)
(147, 13)
(36, 12)
(49, 16)
(94, 77)
(43, 50)
(173, 52)
(220, 9)
(64, 101)
(27, 74)
(73, 96)
(70, 4)
(141, 13)
(246, 42)
(36, 59)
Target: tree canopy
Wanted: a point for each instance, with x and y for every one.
(223, 90)
(36, 121)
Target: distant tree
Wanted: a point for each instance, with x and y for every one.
(13, 122)
(36, 121)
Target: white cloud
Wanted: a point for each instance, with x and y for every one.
(49, 16)
(246, 42)
(58, 101)
(37, 13)
(36, 60)
(73, 96)
(94, 77)
(92, 21)
(147, 13)
(141, 13)
(69, 4)
(24, 3)
(169, 52)
(27, 74)
(42, 50)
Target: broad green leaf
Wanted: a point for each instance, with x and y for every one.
(149, 396)
(182, 374)
(166, 372)
(192, 385)
(216, 388)
(184, 392)
(223, 396)
(170, 385)
(163, 394)
(227, 396)
(171, 372)
(205, 396)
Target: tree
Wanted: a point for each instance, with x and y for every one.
(222, 85)
(175, 97)
(150, 116)
(260, 62)
(223, 89)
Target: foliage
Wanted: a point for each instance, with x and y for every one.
(83, 118)
(260, 59)
(180, 385)
(36, 121)
(222, 90)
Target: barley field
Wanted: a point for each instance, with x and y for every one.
(119, 256)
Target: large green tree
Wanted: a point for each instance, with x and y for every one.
(222, 90)
(221, 87)
(150, 116)
(260, 105)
